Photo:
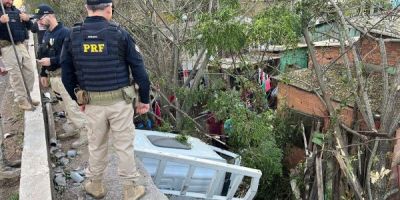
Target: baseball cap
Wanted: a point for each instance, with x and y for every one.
(95, 2)
(42, 9)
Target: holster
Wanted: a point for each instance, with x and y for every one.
(129, 94)
(4, 43)
(82, 97)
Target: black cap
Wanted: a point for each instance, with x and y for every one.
(96, 2)
(42, 9)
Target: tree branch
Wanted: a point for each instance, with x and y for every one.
(200, 127)
(364, 134)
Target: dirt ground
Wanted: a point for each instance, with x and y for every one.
(12, 118)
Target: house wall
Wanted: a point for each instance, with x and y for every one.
(298, 57)
(308, 103)
(327, 55)
(369, 49)
(371, 53)
(395, 3)
(328, 30)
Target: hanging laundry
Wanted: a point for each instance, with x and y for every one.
(263, 83)
(268, 83)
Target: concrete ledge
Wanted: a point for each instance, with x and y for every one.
(35, 182)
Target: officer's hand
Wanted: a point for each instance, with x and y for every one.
(142, 108)
(4, 19)
(24, 17)
(44, 81)
(44, 62)
(3, 71)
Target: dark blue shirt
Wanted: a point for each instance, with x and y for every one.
(54, 38)
(133, 58)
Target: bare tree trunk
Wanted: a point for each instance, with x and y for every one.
(365, 105)
(176, 67)
(320, 180)
(336, 190)
(341, 155)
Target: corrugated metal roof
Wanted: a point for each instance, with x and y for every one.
(389, 26)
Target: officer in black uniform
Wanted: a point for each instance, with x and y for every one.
(49, 58)
(49, 50)
(19, 24)
(97, 60)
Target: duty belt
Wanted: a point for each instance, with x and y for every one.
(105, 98)
(6, 43)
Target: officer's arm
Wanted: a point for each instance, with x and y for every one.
(139, 73)
(35, 27)
(67, 69)
(28, 24)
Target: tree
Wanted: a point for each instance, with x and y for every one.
(380, 186)
(172, 32)
(169, 33)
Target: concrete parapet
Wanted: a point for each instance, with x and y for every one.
(35, 182)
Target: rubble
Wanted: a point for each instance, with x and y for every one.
(71, 153)
(76, 177)
(60, 180)
(64, 161)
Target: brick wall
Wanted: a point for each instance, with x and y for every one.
(308, 103)
(368, 48)
(327, 55)
(371, 53)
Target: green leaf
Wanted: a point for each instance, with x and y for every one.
(318, 139)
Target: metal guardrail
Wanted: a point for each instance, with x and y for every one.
(237, 175)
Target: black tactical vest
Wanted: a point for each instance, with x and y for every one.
(18, 28)
(99, 56)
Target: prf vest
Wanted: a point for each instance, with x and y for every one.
(18, 28)
(99, 56)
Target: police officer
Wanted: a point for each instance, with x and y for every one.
(97, 61)
(49, 58)
(19, 24)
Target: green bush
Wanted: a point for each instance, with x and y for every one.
(253, 137)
